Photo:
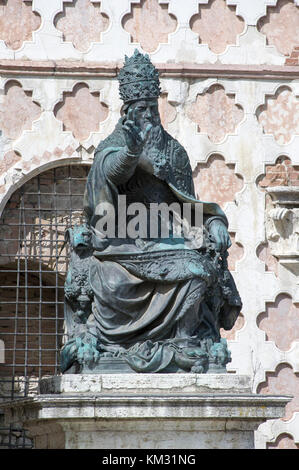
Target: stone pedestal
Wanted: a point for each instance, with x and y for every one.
(145, 411)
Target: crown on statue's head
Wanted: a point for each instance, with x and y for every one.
(138, 79)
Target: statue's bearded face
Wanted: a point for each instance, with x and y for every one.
(146, 112)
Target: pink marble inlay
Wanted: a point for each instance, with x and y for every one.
(9, 159)
(216, 180)
(18, 110)
(280, 321)
(81, 111)
(281, 26)
(82, 23)
(17, 22)
(283, 382)
(264, 254)
(149, 24)
(217, 25)
(283, 441)
(216, 113)
(280, 115)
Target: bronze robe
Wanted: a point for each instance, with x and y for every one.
(150, 304)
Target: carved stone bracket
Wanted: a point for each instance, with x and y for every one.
(282, 225)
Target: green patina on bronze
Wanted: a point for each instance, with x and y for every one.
(146, 305)
(138, 79)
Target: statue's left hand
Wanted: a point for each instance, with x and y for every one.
(219, 233)
(135, 137)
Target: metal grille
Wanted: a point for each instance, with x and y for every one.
(33, 264)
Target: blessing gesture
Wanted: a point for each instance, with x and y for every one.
(135, 133)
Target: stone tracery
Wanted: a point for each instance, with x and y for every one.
(149, 24)
(229, 27)
(82, 22)
(17, 22)
(216, 113)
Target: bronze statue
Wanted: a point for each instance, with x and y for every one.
(157, 302)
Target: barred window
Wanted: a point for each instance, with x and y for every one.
(33, 265)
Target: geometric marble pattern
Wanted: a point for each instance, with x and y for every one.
(229, 26)
(284, 441)
(17, 22)
(243, 99)
(82, 23)
(283, 381)
(9, 159)
(216, 180)
(81, 111)
(216, 113)
(280, 321)
(281, 25)
(18, 111)
(149, 24)
(280, 115)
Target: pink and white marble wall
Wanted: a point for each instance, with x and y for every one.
(280, 26)
(217, 181)
(82, 23)
(229, 25)
(149, 24)
(230, 95)
(215, 113)
(81, 111)
(18, 111)
(17, 22)
(280, 115)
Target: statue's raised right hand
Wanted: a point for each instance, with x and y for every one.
(134, 135)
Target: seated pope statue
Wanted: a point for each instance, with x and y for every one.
(154, 302)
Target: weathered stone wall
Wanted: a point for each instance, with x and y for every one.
(229, 75)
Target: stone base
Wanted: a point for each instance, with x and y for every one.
(112, 365)
(106, 365)
(145, 411)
